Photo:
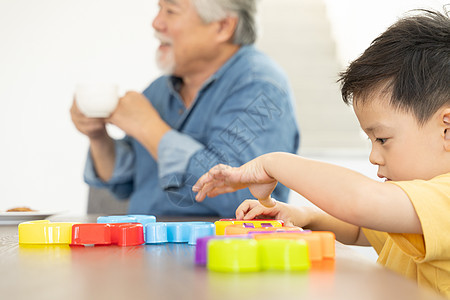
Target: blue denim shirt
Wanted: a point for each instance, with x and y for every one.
(242, 111)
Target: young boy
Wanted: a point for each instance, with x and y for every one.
(400, 91)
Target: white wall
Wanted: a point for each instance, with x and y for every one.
(47, 46)
(355, 23)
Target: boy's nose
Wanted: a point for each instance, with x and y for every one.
(375, 158)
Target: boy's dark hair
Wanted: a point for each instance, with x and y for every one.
(412, 59)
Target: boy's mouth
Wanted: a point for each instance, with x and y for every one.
(384, 177)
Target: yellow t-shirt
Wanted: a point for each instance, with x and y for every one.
(422, 257)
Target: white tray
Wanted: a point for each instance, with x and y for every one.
(14, 218)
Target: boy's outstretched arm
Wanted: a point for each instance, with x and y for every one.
(340, 192)
(307, 217)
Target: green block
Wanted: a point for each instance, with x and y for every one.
(233, 255)
(283, 255)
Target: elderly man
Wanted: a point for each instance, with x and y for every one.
(222, 101)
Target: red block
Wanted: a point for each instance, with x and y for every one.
(122, 234)
(127, 234)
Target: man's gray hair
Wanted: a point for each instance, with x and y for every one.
(245, 10)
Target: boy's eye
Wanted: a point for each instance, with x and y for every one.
(381, 140)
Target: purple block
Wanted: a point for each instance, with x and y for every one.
(201, 249)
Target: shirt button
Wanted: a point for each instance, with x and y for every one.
(180, 111)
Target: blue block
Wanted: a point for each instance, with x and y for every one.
(155, 233)
(199, 231)
(180, 232)
(143, 219)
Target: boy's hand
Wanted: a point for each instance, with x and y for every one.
(252, 209)
(225, 179)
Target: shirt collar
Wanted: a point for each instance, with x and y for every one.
(175, 82)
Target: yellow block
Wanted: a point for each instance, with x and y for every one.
(45, 232)
(222, 224)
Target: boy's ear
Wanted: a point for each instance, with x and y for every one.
(446, 123)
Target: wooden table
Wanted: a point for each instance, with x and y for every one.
(168, 272)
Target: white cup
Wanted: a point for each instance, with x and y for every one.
(97, 100)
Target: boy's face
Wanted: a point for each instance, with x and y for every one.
(401, 148)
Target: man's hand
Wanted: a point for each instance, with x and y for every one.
(101, 144)
(132, 114)
(93, 128)
(137, 117)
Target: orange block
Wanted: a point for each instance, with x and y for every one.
(321, 244)
(328, 240)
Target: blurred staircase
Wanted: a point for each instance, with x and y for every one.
(297, 34)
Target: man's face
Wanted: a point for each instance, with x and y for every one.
(401, 148)
(187, 44)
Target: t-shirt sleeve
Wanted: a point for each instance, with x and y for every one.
(431, 200)
(376, 238)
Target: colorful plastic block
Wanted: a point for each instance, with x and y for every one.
(199, 231)
(180, 232)
(127, 234)
(95, 234)
(201, 246)
(156, 233)
(122, 234)
(233, 255)
(283, 255)
(328, 240)
(143, 219)
(321, 244)
(246, 228)
(249, 255)
(45, 232)
(223, 223)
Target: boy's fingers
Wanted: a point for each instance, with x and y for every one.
(239, 214)
(202, 187)
(253, 213)
(267, 202)
(215, 173)
(221, 189)
(211, 188)
(205, 178)
(243, 208)
(208, 188)
(198, 185)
